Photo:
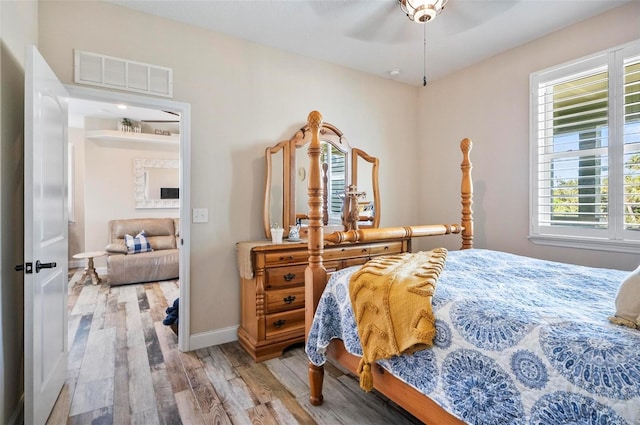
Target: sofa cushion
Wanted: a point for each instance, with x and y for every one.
(137, 244)
(146, 267)
(160, 232)
(117, 248)
(162, 242)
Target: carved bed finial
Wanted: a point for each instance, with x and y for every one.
(314, 119)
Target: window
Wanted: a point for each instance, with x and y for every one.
(585, 152)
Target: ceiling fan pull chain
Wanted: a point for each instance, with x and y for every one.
(424, 63)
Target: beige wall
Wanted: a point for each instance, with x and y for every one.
(244, 97)
(489, 103)
(76, 226)
(18, 29)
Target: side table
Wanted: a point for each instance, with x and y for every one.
(90, 270)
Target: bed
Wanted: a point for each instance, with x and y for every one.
(518, 340)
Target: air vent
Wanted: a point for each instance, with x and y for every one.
(115, 73)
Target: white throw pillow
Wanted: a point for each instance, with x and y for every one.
(628, 300)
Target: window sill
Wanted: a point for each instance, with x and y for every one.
(629, 247)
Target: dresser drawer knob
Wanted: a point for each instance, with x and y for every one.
(289, 277)
(280, 323)
(364, 249)
(288, 258)
(289, 299)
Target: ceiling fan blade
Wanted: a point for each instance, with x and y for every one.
(380, 21)
(462, 15)
(159, 121)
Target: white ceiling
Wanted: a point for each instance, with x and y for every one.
(375, 36)
(80, 108)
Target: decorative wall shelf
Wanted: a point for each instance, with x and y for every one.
(127, 136)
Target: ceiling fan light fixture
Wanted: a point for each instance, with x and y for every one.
(422, 10)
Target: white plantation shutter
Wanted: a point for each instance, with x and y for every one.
(631, 135)
(585, 152)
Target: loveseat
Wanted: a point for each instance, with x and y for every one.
(162, 263)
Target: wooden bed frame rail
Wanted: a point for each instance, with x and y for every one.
(411, 400)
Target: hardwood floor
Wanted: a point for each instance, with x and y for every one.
(125, 368)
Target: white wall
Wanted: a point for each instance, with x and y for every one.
(244, 97)
(489, 103)
(18, 29)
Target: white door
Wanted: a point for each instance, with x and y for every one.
(45, 239)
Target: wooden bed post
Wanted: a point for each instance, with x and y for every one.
(315, 271)
(466, 191)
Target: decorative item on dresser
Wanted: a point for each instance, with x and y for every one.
(272, 288)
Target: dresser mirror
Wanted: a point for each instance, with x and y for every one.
(343, 168)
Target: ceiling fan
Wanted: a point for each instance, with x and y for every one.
(386, 21)
(161, 121)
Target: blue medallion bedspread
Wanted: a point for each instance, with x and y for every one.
(519, 341)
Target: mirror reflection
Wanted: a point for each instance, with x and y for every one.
(334, 169)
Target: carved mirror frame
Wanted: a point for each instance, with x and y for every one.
(140, 167)
(293, 176)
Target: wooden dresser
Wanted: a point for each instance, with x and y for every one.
(273, 298)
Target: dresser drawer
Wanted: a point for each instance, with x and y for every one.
(355, 261)
(284, 258)
(284, 276)
(387, 248)
(284, 322)
(284, 299)
(339, 253)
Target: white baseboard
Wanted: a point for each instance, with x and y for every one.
(18, 415)
(217, 337)
(77, 264)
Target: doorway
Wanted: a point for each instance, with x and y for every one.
(161, 113)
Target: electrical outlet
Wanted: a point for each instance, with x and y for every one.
(200, 215)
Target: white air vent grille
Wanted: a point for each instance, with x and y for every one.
(106, 71)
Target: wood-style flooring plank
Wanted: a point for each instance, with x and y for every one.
(141, 396)
(171, 355)
(208, 401)
(221, 362)
(86, 302)
(157, 303)
(121, 409)
(261, 415)
(234, 394)
(77, 347)
(92, 395)
(99, 356)
(61, 409)
(188, 408)
(166, 403)
(284, 416)
(102, 416)
(265, 388)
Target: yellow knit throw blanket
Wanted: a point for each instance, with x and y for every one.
(391, 299)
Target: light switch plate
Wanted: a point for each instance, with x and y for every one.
(200, 215)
